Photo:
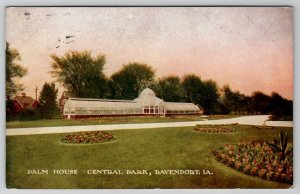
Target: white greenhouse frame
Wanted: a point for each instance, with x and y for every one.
(146, 104)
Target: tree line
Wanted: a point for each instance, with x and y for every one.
(83, 76)
(47, 104)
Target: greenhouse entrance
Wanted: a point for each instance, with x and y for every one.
(156, 110)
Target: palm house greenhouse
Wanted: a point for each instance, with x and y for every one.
(146, 104)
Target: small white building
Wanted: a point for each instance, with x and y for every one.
(146, 104)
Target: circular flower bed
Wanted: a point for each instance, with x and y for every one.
(213, 129)
(88, 137)
(257, 159)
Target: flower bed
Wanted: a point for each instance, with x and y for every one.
(257, 159)
(88, 137)
(213, 129)
(265, 127)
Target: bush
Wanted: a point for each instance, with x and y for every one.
(27, 115)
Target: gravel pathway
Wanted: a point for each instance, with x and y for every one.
(244, 120)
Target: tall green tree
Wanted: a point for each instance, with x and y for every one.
(261, 103)
(170, 89)
(209, 97)
(131, 80)
(226, 104)
(47, 100)
(193, 87)
(13, 71)
(203, 93)
(234, 101)
(282, 109)
(240, 103)
(81, 73)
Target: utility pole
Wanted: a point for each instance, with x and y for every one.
(36, 90)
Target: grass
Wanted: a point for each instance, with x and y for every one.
(150, 149)
(109, 120)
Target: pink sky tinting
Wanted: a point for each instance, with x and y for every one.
(249, 48)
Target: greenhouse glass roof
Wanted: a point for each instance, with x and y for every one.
(146, 100)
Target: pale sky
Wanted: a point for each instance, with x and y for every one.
(251, 49)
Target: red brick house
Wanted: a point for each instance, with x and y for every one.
(24, 102)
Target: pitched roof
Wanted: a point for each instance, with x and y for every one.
(65, 94)
(97, 104)
(181, 106)
(24, 99)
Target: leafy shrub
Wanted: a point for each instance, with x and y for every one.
(281, 145)
(27, 115)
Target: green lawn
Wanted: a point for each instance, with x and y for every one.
(151, 149)
(110, 120)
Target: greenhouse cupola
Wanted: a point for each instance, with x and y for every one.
(147, 92)
(147, 98)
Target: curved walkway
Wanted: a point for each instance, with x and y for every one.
(244, 120)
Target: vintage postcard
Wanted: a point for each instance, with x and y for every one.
(149, 97)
